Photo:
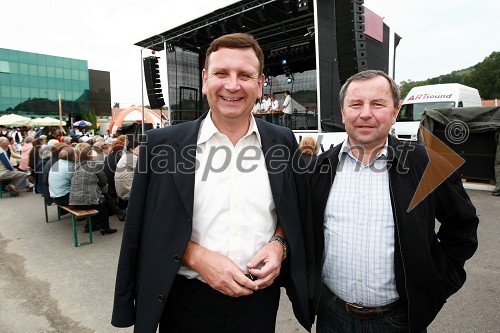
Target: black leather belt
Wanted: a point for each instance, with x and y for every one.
(368, 312)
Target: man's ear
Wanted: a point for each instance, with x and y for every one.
(204, 78)
(261, 85)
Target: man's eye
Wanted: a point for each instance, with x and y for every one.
(220, 74)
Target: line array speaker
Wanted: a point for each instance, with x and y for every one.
(351, 40)
(153, 84)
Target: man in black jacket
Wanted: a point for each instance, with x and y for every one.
(213, 225)
(380, 266)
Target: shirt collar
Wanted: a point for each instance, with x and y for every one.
(346, 150)
(208, 129)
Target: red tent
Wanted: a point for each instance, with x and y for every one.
(134, 114)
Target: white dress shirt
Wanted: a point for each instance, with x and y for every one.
(266, 104)
(358, 264)
(234, 212)
(275, 105)
(287, 104)
(256, 107)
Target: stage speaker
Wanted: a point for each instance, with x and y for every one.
(351, 40)
(153, 84)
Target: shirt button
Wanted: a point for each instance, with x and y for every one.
(161, 298)
(360, 279)
(177, 258)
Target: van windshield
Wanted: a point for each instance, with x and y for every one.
(414, 112)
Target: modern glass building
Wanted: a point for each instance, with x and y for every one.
(31, 85)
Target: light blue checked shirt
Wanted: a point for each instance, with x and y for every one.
(358, 264)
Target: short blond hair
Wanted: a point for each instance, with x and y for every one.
(308, 146)
(82, 151)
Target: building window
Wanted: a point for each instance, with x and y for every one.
(4, 67)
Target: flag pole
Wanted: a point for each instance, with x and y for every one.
(60, 115)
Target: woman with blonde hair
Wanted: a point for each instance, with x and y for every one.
(309, 150)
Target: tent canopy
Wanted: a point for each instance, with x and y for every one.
(134, 114)
(46, 121)
(14, 120)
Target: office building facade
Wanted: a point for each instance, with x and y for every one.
(32, 84)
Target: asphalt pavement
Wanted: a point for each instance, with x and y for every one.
(48, 285)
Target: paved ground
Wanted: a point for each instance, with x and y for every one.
(47, 285)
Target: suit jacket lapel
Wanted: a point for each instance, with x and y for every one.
(185, 161)
(274, 172)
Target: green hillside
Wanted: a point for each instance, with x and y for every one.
(484, 76)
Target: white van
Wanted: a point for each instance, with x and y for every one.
(447, 95)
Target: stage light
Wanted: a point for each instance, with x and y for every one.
(302, 5)
(266, 83)
(239, 19)
(283, 62)
(289, 79)
(170, 48)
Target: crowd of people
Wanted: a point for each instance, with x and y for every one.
(80, 171)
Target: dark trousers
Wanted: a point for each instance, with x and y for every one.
(287, 118)
(102, 218)
(193, 306)
(62, 201)
(333, 318)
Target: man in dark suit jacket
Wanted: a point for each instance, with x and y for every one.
(206, 246)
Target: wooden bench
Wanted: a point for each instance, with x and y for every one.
(79, 213)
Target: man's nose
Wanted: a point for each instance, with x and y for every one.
(232, 82)
(365, 111)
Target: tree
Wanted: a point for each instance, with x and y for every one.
(486, 77)
(91, 117)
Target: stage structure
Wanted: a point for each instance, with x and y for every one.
(310, 47)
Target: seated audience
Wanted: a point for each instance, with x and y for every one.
(88, 186)
(13, 153)
(25, 154)
(110, 169)
(16, 180)
(125, 171)
(49, 155)
(60, 176)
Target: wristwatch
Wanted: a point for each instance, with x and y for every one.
(283, 243)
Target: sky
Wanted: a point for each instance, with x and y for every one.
(438, 36)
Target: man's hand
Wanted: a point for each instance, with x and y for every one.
(266, 264)
(220, 272)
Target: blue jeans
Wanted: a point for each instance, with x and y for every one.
(333, 318)
(287, 119)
